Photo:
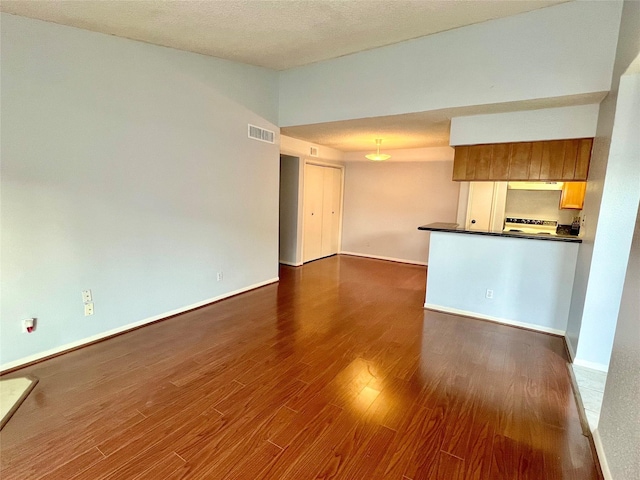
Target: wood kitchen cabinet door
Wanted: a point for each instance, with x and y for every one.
(569, 162)
(582, 160)
(472, 162)
(573, 195)
(519, 161)
(479, 162)
(460, 163)
(536, 161)
(499, 169)
(552, 161)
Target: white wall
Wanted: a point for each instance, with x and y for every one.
(525, 126)
(540, 204)
(531, 279)
(566, 49)
(385, 203)
(598, 285)
(289, 201)
(620, 198)
(126, 169)
(301, 148)
(619, 425)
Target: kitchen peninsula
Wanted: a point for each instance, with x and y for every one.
(518, 279)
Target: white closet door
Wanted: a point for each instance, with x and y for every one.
(327, 209)
(336, 205)
(313, 199)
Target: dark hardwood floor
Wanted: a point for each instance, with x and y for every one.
(336, 372)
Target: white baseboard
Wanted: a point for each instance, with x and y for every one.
(291, 264)
(129, 326)
(380, 257)
(572, 353)
(593, 365)
(504, 321)
(602, 457)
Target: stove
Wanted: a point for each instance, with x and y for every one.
(529, 226)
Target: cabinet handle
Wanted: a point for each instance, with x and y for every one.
(472, 221)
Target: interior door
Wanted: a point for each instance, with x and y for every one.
(486, 207)
(312, 212)
(336, 206)
(330, 210)
(480, 203)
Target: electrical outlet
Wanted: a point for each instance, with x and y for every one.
(219, 276)
(86, 296)
(88, 309)
(489, 294)
(28, 325)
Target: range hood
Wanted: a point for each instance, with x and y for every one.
(535, 185)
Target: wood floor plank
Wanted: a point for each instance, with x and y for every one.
(166, 468)
(301, 451)
(77, 437)
(346, 452)
(449, 467)
(479, 448)
(373, 450)
(78, 465)
(254, 445)
(401, 451)
(423, 463)
(335, 372)
(153, 461)
(256, 465)
(147, 450)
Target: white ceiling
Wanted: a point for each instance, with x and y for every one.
(282, 34)
(277, 34)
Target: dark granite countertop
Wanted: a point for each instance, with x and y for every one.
(455, 228)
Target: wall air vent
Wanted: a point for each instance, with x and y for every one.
(261, 134)
(313, 151)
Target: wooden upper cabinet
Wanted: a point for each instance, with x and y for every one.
(460, 163)
(552, 160)
(569, 161)
(479, 161)
(499, 169)
(519, 161)
(573, 195)
(536, 160)
(582, 161)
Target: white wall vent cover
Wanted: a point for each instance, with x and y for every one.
(261, 134)
(313, 151)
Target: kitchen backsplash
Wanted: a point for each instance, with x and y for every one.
(538, 204)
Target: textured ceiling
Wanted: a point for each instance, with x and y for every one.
(277, 34)
(415, 130)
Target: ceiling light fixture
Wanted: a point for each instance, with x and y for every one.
(378, 157)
